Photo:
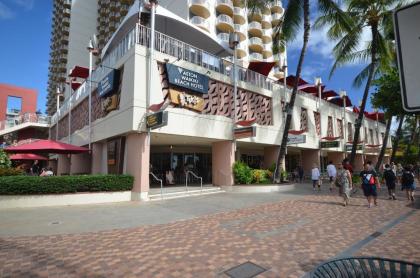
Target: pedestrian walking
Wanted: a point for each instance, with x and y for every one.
(347, 166)
(407, 182)
(332, 172)
(315, 177)
(400, 171)
(394, 168)
(370, 184)
(344, 182)
(390, 180)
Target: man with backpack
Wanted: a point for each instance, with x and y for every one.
(407, 182)
(370, 183)
(390, 179)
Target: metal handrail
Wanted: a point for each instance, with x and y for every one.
(161, 184)
(197, 177)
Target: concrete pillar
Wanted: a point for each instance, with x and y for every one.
(336, 157)
(309, 158)
(63, 164)
(80, 163)
(52, 164)
(97, 158)
(137, 164)
(270, 156)
(223, 157)
(358, 163)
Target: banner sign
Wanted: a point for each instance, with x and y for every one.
(186, 100)
(109, 83)
(330, 144)
(244, 132)
(157, 119)
(187, 79)
(358, 148)
(296, 139)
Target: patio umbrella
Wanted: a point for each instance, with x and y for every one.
(263, 68)
(47, 146)
(27, 156)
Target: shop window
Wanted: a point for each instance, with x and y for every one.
(317, 117)
(340, 128)
(115, 155)
(304, 119)
(330, 130)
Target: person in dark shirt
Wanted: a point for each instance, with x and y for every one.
(370, 183)
(390, 179)
(408, 183)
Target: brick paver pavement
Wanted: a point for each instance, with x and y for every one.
(288, 238)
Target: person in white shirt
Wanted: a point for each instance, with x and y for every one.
(315, 177)
(332, 173)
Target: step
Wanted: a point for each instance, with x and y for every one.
(181, 194)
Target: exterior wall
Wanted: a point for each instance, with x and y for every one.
(28, 96)
(80, 164)
(336, 157)
(223, 157)
(97, 158)
(63, 165)
(311, 157)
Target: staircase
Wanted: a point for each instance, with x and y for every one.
(182, 192)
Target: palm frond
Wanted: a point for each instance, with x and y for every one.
(293, 18)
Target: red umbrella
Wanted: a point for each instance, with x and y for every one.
(27, 156)
(263, 68)
(47, 146)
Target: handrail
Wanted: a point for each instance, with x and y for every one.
(161, 184)
(197, 177)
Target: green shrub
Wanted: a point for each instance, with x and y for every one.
(272, 168)
(4, 160)
(242, 173)
(25, 185)
(260, 176)
(356, 179)
(10, 172)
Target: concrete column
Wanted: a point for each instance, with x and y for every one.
(336, 157)
(223, 157)
(80, 163)
(63, 164)
(137, 164)
(358, 163)
(97, 158)
(309, 157)
(270, 156)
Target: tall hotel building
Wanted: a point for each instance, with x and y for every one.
(171, 109)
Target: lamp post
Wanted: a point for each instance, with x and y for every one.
(343, 95)
(233, 43)
(318, 83)
(93, 50)
(58, 94)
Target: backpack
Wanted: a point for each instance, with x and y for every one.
(407, 178)
(341, 178)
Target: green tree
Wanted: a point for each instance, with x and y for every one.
(4, 160)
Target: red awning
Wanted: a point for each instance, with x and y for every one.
(246, 122)
(328, 94)
(261, 67)
(373, 146)
(311, 89)
(356, 110)
(46, 146)
(80, 72)
(340, 102)
(290, 81)
(330, 138)
(297, 132)
(351, 142)
(375, 116)
(27, 156)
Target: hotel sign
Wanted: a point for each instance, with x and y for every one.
(108, 84)
(186, 100)
(358, 148)
(245, 132)
(296, 139)
(330, 144)
(187, 79)
(157, 119)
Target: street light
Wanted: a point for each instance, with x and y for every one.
(93, 50)
(233, 43)
(58, 94)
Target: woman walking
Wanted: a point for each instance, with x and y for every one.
(400, 171)
(344, 182)
(315, 177)
(407, 182)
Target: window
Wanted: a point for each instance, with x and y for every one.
(317, 117)
(303, 119)
(340, 128)
(371, 136)
(115, 155)
(330, 130)
(14, 105)
(349, 132)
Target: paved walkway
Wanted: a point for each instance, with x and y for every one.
(285, 233)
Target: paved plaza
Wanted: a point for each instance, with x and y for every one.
(286, 233)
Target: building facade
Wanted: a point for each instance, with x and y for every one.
(176, 111)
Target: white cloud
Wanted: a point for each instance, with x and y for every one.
(5, 12)
(26, 4)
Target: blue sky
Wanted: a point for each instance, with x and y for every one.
(25, 29)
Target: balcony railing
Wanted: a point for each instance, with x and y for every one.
(24, 118)
(200, 22)
(223, 37)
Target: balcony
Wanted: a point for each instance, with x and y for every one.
(278, 73)
(239, 15)
(254, 29)
(277, 7)
(241, 50)
(266, 21)
(224, 7)
(255, 44)
(16, 122)
(267, 35)
(267, 50)
(254, 15)
(276, 18)
(224, 23)
(200, 22)
(241, 31)
(255, 57)
(200, 8)
(224, 37)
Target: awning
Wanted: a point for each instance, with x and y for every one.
(79, 72)
(356, 110)
(328, 94)
(246, 122)
(47, 146)
(297, 132)
(340, 102)
(290, 81)
(27, 156)
(263, 68)
(330, 138)
(375, 116)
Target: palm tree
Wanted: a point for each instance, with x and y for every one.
(376, 16)
(398, 134)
